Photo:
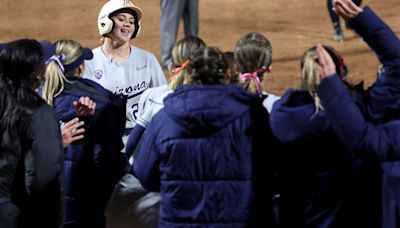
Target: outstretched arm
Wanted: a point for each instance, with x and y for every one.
(375, 32)
(384, 42)
(347, 120)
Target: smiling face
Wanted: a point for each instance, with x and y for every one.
(124, 25)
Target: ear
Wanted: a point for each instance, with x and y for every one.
(79, 70)
(228, 76)
(269, 69)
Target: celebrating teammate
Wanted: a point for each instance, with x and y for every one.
(119, 66)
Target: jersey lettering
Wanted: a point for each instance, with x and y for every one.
(134, 111)
(128, 90)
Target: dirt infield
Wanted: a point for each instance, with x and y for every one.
(290, 25)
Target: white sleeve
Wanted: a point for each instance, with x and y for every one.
(144, 109)
(269, 102)
(150, 103)
(157, 75)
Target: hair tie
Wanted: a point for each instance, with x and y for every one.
(263, 70)
(253, 75)
(57, 59)
(181, 68)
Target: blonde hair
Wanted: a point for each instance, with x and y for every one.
(181, 53)
(253, 53)
(54, 76)
(309, 75)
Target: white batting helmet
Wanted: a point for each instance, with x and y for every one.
(104, 22)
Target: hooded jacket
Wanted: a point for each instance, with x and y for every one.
(206, 152)
(355, 132)
(321, 183)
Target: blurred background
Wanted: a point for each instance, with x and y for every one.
(292, 26)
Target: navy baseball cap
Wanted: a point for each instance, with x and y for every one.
(48, 48)
(87, 54)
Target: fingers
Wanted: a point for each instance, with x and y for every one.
(77, 130)
(321, 61)
(76, 138)
(72, 131)
(84, 106)
(325, 65)
(77, 134)
(93, 106)
(72, 124)
(354, 9)
(72, 127)
(86, 101)
(321, 55)
(346, 8)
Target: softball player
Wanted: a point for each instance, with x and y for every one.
(152, 99)
(253, 55)
(119, 66)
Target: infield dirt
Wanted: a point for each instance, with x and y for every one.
(291, 25)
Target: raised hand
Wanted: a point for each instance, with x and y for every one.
(71, 131)
(346, 9)
(325, 65)
(84, 106)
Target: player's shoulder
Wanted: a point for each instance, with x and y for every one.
(98, 56)
(96, 50)
(157, 91)
(154, 92)
(140, 51)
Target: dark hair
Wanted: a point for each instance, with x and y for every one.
(207, 66)
(124, 10)
(20, 63)
(230, 59)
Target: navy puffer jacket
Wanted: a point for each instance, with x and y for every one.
(207, 152)
(95, 164)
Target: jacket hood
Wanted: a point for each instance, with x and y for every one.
(293, 117)
(208, 108)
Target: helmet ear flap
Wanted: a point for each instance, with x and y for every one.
(137, 28)
(104, 22)
(105, 25)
